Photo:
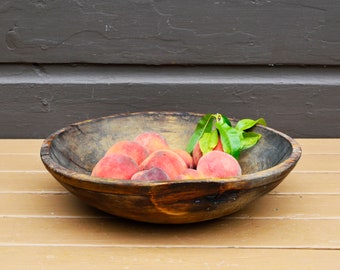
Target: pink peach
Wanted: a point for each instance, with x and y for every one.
(185, 156)
(167, 160)
(197, 152)
(152, 141)
(190, 174)
(218, 164)
(130, 148)
(116, 166)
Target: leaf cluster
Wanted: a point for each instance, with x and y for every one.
(212, 127)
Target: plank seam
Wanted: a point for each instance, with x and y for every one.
(168, 246)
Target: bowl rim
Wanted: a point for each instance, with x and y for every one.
(249, 180)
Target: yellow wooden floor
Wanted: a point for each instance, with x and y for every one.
(296, 226)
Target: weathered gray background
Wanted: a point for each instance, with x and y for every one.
(67, 61)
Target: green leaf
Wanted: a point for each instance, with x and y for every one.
(205, 124)
(249, 139)
(208, 141)
(235, 142)
(261, 121)
(230, 138)
(245, 124)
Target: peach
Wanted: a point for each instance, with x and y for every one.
(152, 141)
(130, 148)
(185, 156)
(152, 174)
(218, 164)
(219, 146)
(197, 153)
(115, 166)
(190, 174)
(170, 162)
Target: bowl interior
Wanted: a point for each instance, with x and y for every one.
(79, 146)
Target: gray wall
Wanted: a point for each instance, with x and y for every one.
(171, 32)
(67, 61)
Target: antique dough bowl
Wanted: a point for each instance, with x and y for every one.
(70, 154)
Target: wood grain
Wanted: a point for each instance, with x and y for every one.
(222, 233)
(93, 257)
(29, 182)
(314, 183)
(20, 147)
(22, 163)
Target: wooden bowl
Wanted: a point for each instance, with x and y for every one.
(70, 154)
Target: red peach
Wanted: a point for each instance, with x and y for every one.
(115, 166)
(130, 148)
(167, 160)
(152, 141)
(152, 174)
(218, 164)
(219, 146)
(197, 153)
(190, 174)
(185, 156)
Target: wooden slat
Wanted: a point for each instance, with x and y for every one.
(17, 146)
(29, 182)
(21, 163)
(269, 206)
(306, 183)
(318, 163)
(320, 146)
(293, 207)
(45, 205)
(222, 233)
(80, 257)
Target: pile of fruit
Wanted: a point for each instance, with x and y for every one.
(212, 152)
